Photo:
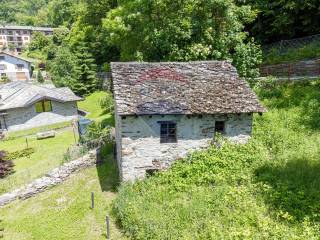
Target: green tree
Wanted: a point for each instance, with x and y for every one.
(39, 41)
(284, 19)
(85, 70)
(62, 68)
(183, 31)
(62, 12)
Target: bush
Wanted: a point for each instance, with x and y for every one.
(107, 103)
(19, 154)
(6, 166)
(40, 78)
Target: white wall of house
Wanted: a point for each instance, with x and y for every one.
(139, 147)
(11, 70)
(25, 118)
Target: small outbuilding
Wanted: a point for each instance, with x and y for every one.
(166, 110)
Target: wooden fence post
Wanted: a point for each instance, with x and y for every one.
(92, 200)
(108, 227)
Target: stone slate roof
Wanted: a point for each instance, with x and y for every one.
(21, 94)
(15, 56)
(210, 87)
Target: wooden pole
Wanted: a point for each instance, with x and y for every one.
(92, 200)
(27, 143)
(108, 227)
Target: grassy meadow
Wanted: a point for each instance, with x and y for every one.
(267, 189)
(65, 212)
(49, 154)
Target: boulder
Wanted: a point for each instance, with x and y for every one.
(44, 135)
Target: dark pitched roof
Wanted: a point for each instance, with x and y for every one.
(15, 56)
(209, 87)
(21, 94)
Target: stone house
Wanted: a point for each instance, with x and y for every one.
(24, 105)
(14, 68)
(166, 110)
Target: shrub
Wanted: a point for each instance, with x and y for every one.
(107, 103)
(40, 78)
(6, 166)
(19, 154)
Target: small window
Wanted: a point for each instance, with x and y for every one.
(220, 127)
(151, 172)
(168, 132)
(19, 67)
(43, 106)
(2, 57)
(3, 67)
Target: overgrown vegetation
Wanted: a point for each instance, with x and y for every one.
(267, 189)
(19, 154)
(309, 51)
(6, 165)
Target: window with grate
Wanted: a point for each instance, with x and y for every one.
(220, 127)
(168, 132)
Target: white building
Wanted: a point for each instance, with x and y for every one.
(19, 36)
(165, 110)
(24, 105)
(14, 68)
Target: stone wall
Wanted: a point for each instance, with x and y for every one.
(54, 177)
(138, 140)
(309, 68)
(25, 118)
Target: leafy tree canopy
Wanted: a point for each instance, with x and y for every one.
(182, 31)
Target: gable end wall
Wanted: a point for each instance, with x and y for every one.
(26, 118)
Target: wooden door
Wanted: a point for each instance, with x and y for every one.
(21, 76)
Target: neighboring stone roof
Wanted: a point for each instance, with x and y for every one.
(21, 94)
(209, 87)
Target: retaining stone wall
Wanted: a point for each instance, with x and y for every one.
(54, 177)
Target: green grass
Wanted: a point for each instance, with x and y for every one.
(267, 189)
(48, 155)
(32, 131)
(96, 112)
(64, 212)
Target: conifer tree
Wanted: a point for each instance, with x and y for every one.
(85, 70)
(40, 78)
